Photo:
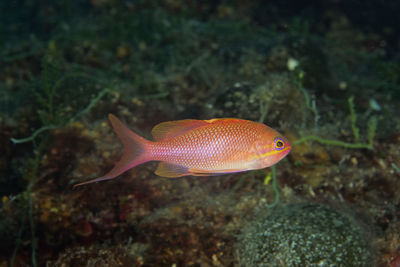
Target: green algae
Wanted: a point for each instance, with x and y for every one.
(52, 112)
(180, 55)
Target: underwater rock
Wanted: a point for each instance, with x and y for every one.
(276, 98)
(129, 254)
(304, 234)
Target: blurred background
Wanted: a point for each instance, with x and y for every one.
(326, 74)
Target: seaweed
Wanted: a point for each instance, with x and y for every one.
(274, 186)
(372, 126)
(52, 115)
(310, 103)
(170, 60)
(27, 209)
(353, 117)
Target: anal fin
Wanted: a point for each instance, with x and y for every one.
(171, 170)
(196, 172)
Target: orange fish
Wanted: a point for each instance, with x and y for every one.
(200, 147)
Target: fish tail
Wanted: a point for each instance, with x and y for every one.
(135, 148)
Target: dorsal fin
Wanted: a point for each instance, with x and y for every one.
(171, 129)
(224, 120)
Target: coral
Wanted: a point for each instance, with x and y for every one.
(303, 234)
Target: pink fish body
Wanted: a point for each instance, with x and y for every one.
(200, 147)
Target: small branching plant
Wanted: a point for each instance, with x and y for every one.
(372, 126)
(311, 105)
(56, 108)
(357, 144)
(52, 104)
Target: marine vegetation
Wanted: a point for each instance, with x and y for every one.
(326, 78)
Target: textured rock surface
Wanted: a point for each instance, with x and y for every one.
(304, 235)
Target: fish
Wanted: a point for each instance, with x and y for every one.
(199, 147)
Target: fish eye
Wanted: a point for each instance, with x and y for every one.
(279, 143)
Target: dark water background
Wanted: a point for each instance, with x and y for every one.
(326, 74)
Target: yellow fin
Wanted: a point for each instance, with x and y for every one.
(171, 129)
(171, 170)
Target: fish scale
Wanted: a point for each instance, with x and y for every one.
(200, 147)
(216, 147)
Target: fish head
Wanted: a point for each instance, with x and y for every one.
(270, 149)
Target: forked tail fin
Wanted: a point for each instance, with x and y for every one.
(135, 148)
